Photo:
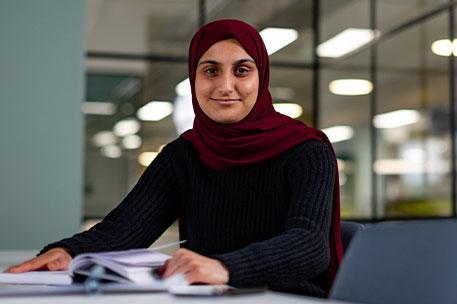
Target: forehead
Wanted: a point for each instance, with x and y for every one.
(226, 50)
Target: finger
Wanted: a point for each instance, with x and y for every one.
(62, 263)
(170, 263)
(174, 264)
(55, 265)
(194, 275)
(33, 264)
(9, 268)
(18, 268)
(23, 267)
(171, 266)
(161, 269)
(185, 270)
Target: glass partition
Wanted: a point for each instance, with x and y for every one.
(412, 122)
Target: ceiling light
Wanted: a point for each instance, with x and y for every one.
(444, 47)
(396, 166)
(146, 158)
(277, 38)
(290, 109)
(400, 167)
(98, 108)
(126, 127)
(183, 88)
(131, 142)
(415, 155)
(350, 87)
(155, 110)
(345, 42)
(396, 119)
(104, 138)
(339, 133)
(111, 151)
(183, 113)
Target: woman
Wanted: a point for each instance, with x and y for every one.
(256, 192)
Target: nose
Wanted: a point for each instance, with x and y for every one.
(226, 84)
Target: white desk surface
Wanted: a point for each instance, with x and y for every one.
(11, 257)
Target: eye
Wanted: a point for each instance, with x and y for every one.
(210, 71)
(241, 70)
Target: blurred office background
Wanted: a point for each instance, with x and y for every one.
(91, 90)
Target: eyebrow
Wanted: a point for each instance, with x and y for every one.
(240, 61)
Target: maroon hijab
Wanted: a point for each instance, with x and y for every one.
(263, 133)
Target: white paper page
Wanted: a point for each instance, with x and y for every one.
(135, 257)
(37, 278)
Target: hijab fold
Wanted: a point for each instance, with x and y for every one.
(263, 134)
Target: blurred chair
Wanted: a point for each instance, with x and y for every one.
(400, 263)
(348, 230)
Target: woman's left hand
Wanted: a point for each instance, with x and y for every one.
(196, 268)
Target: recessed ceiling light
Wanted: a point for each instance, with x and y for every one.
(395, 119)
(183, 88)
(111, 151)
(444, 47)
(339, 133)
(98, 108)
(350, 87)
(126, 127)
(146, 158)
(155, 110)
(104, 138)
(131, 142)
(290, 109)
(277, 38)
(345, 42)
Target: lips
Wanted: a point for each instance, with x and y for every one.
(225, 101)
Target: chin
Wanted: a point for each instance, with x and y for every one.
(225, 116)
(226, 119)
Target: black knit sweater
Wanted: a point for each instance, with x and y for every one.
(268, 224)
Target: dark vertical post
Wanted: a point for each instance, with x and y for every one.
(452, 110)
(373, 111)
(201, 12)
(316, 64)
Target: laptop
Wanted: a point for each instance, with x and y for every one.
(413, 262)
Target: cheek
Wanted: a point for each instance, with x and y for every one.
(202, 87)
(201, 92)
(251, 90)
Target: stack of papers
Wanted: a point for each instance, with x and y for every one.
(130, 266)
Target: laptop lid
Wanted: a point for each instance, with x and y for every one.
(400, 263)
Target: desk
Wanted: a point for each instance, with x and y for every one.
(10, 257)
(164, 298)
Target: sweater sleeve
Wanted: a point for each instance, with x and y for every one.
(301, 252)
(138, 220)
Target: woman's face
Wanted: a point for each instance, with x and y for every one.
(226, 82)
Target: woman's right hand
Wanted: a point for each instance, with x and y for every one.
(54, 259)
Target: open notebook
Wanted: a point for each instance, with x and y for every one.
(130, 266)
